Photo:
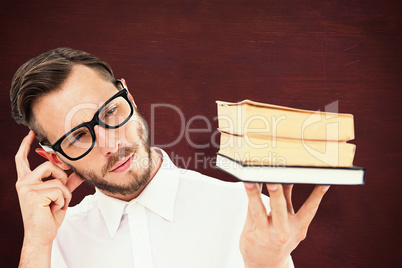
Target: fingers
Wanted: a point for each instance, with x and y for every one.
(52, 197)
(54, 193)
(33, 182)
(287, 190)
(46, 170)
(21, 158)
(310, 207)
(58, 203)
(249, 224)
(74, 181)
(257, 214)
(279, 209)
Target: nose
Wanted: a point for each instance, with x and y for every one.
(107, 140)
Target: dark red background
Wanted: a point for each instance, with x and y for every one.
(303, 54)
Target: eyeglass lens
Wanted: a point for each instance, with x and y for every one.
(113, 115)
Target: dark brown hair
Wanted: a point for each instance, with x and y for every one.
(44, 74)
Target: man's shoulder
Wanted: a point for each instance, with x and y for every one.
(197, 179)
(216, 191)
(209, 189)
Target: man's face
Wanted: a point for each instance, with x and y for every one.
(120, 162)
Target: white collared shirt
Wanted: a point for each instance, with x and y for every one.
(181, 219)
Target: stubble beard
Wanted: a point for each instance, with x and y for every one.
(137, 180)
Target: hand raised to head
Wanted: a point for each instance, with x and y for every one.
(43, 203)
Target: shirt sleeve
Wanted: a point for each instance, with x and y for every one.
(291, 264)
(57, 260)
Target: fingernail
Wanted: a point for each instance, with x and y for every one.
(249, 185)
(273, 187)
(324, 189)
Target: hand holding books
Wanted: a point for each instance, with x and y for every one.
(283, 148)
(269, 237)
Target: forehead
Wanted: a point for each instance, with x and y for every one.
(83, 92)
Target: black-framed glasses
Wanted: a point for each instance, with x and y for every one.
(80, 140)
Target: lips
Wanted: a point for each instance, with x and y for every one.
(123, 164)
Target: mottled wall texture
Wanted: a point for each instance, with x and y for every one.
(188, 54)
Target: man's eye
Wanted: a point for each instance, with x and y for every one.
(111, 111)
(77, 138)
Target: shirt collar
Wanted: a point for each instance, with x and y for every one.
(159, 196)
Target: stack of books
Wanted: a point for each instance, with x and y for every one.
(275, 144)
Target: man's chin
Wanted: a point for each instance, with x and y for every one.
(113, 185)
(130, 181)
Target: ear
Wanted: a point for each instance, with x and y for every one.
(52, 157)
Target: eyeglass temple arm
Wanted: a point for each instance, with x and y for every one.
(46, 147)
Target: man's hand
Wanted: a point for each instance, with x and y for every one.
(43, 204)
(268, 239)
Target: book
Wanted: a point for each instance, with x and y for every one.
(290, 174)
(276, 144)
(286, 152)
(263, 120)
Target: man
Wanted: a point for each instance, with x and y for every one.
(146, 212)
